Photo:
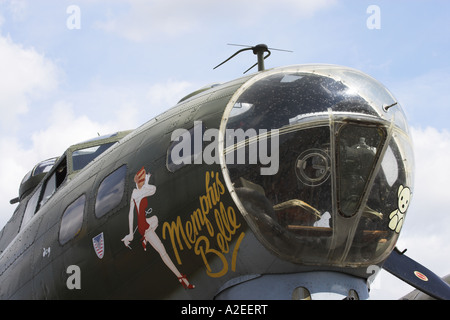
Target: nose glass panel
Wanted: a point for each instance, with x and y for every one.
(359, 147)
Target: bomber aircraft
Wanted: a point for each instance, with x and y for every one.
(287, 183)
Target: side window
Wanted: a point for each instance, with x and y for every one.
(50, 188)
(185, 147)
(72, 220)
(53, 182)
(110, 192)
(31, 208)
(61, 173)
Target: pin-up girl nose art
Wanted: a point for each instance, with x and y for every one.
(147, 225)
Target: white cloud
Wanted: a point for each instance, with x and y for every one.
(299, 7)
(426, 226)
(18, 9)
(425, 231)
(161, 18)
(388, 287)
(425, 97)
(124, 108)
(65, 129)
(167, 94)
(432, 153)
(25, 75)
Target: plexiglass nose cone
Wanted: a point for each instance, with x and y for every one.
(315, 162)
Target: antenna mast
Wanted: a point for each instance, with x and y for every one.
(258, 50)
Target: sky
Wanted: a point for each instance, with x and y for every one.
(70, 70)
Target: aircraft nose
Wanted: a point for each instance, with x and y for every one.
(314, 161)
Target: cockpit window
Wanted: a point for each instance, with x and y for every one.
(44, 166)
(33, 177)
(82, 157)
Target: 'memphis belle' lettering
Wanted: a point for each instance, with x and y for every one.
(198, 231)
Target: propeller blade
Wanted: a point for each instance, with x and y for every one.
(416, 275)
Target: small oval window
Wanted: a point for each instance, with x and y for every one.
(72, 220)
(110, 192)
